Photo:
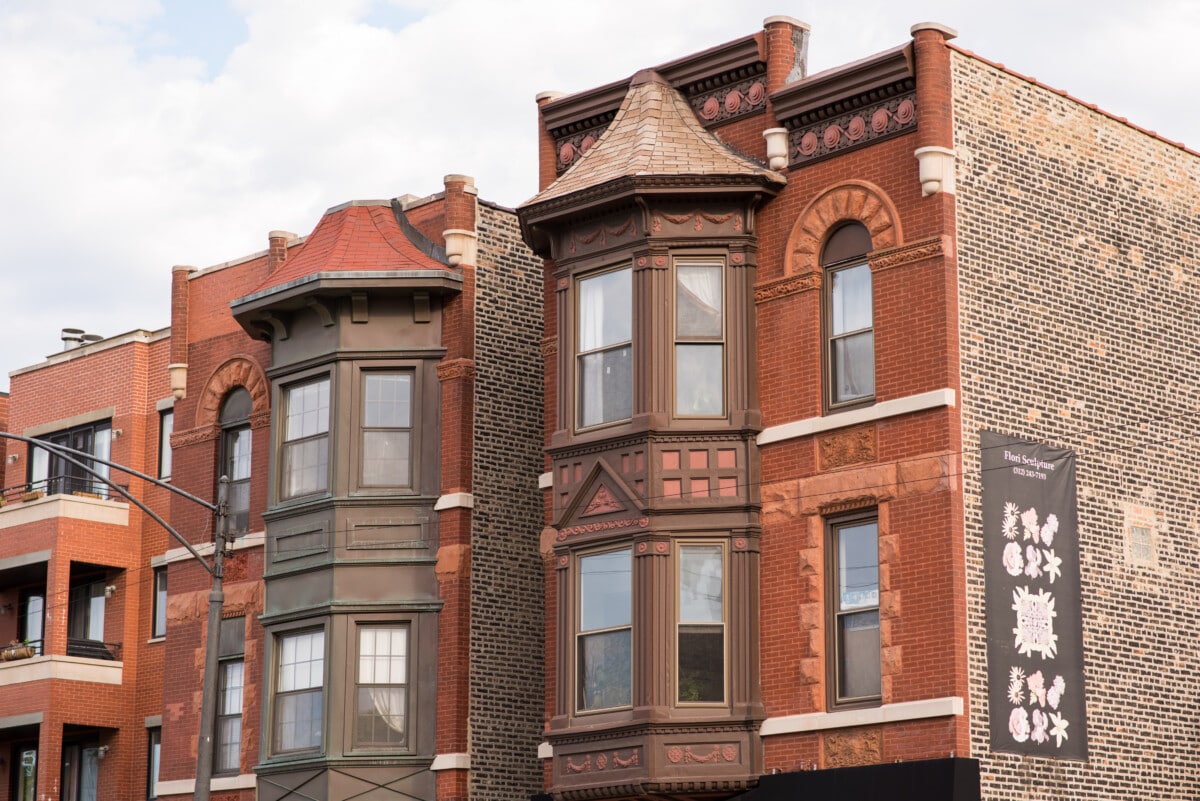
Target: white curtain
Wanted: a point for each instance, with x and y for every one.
(389, 705)
(704, 284)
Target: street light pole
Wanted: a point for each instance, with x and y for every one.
(216, 598)
(208, 697)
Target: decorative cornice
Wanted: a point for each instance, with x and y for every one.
(599, 237)
(745, 97)
(912, 252)
(853, 130)
(789, 285)
(607, 525)
(194, 436)
(697, 219)
(455, 369)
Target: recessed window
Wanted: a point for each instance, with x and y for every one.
(235, 457)
(387, 429)
(849, 317)
(153, 760)
(166, 424)
(306, 439)
(605, 630)
(701, 632)
(699, 339)
(382, 685)
(231, 678)
(54, 474)
(299, 691)
(854, 546)
(158, 615)
(604, 354)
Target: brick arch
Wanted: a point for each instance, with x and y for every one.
(240, 371)
(851, 200)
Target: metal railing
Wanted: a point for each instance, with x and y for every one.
(57, 485)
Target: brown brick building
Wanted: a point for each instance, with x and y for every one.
(871, 433)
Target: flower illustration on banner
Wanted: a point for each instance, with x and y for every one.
(1037, 688)
(1055, 693)
(1010, 520)
(1049, 529)
(1016, 686)
(1059, 732)
(1053, 564)
(1018, 724)
(1013, 561)
(1029, 519)
(1033, 561)
(1035, 623)
(1040, 724)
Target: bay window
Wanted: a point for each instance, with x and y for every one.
(305, 462)
(382, 687)
(849, 317)
(603, 339)
(855, 666)
(299, 691)
(701, 624)
(387, 429)
(699, 339)
(604, 646)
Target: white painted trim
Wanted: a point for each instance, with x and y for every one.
(253, 540)
(243, 781)
(75, 507)
(455, 500)
(65, 668)
(891, 408)
(451, 762)
(546, 480)
(888, 713)
(545, 751)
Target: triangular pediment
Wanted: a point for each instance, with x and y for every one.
(602, 496)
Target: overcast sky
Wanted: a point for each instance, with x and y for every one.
(140, 134)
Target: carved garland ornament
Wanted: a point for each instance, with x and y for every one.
(607, 525)
(697, 218)
(628, 228)
(603, 760)
(853, 200)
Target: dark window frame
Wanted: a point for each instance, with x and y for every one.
(63, 477)
(165, 455)
(320, 690)
(356, 686)
(840, 255)
(236, 456)
(158, 611)
(153, 759)
(231, 654)
(412, 430)
(836, 656)
(288, 444)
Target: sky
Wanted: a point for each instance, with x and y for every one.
(140, 134)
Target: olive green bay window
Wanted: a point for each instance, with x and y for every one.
(604, 643)
(381, 712)
(299, 691)
(387, 429)
(699, 339)
(305, 460)
(604, 352)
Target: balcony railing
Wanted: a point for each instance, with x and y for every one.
(93, 649)
(57, 485)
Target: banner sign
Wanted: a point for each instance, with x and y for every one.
(1034, 623)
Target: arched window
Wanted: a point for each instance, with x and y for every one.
(849, 317)
(235, 457)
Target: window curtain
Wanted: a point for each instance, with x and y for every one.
(704, 284)
(389, 705)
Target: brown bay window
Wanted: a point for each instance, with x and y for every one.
(604, 338)
(605, 630)
(699, 339)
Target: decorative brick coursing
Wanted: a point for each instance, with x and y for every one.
(506, 658)
(1079, 275)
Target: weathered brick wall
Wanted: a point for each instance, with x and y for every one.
(506, 590)
(1079, 263)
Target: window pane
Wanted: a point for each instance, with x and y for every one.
(858, 647)
(230, 702)
(698, 301)
(386, 458)
(306, 466)
(166, 426)
(702, 664)
(605, 386)
(701, 588)
(381, 715)
(699, 379)
(382, 655)
(850, 299)
(387, 400)
(606, 669)
(159, 624)
(229, 744)
(298, 721)
(605, 309)
(605, 590)
(307, 410)
(301, 661)
(852, 366)
(237, 454)
(858, 566)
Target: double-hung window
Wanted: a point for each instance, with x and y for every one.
(299, 691)
(382, 685)
(855, 667)
(166, 425)
(158, 613)
(604, 647)
(306, 438)
(235, 457)
(699, 339)
(387, 429)
(849, 317)
(604, 353)
(701, 624)
(231, 675)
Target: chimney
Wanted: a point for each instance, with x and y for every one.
(460, 233)
(277, 248)
(179, 329)
(72, 338)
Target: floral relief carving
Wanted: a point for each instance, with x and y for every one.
(853, 446)
(731, 101)
(846, 750)
(603, 760)
(791, 285)
(602, 502)
(607, 525)
(854, 129)
(854, 200)
(701, 755)
(697, 220)
(911, 253)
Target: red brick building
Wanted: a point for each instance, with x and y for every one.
(837, 369)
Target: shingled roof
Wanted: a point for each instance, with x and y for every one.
(654, 134)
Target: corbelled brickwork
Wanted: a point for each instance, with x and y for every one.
(1079, 275)
(506, 593)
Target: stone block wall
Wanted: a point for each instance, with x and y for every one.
(1079, 279)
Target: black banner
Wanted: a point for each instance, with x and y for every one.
(1034, 626)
